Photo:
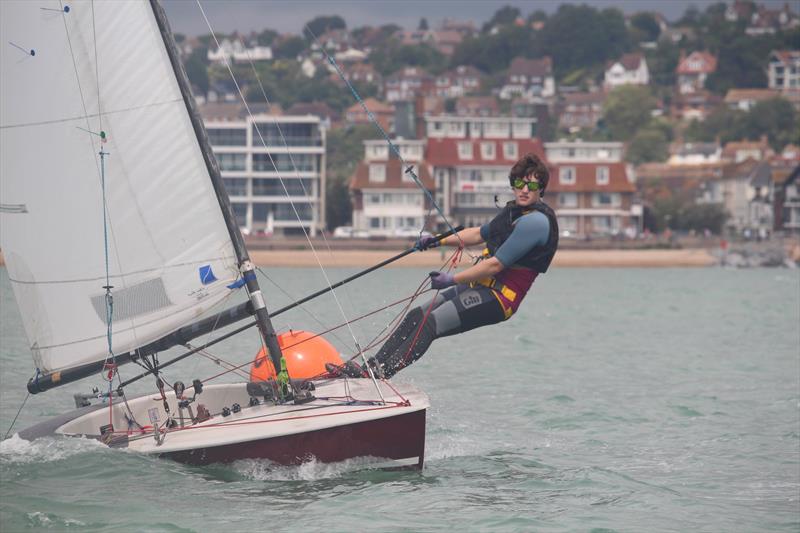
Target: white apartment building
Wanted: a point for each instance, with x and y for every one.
(476, 127)
(273, 168)
(783, 72)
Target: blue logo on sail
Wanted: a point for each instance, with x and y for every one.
(207, 276)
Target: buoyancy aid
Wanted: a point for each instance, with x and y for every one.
(513, 283)
(539, 257)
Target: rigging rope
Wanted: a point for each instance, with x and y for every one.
(280, 178)
(19, 411)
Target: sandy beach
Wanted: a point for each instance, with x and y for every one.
(564, 258)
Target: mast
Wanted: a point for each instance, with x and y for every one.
(246, 268)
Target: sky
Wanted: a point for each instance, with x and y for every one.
(289, 16)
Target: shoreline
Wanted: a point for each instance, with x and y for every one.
(570, 258)
(434, 258)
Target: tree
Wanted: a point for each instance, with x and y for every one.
(394, 56)
(627, 109)
(423, 24)
(197, 69)
(345, 148)
(662, 62)
(774, 118)
(582, 37)
(321, 24)
(492, 53)
(266, 37)
(289, 48)
(647, 145)
(740, 65)
(644, 27)
(504, 16)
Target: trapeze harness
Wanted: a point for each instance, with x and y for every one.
(482, 303)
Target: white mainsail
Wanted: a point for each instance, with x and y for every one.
(101, 66)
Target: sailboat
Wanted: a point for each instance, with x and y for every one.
(119, 238)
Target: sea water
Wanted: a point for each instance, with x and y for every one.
(616, 400)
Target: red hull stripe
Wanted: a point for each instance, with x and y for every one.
(397, 437)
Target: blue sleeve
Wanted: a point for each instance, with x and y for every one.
(485, 232)
(530, 230)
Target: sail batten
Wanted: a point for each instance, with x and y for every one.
(165, 225)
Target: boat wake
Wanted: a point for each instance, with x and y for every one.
(311, 470)
(48, 449)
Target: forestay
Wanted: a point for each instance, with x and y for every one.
(169, 252)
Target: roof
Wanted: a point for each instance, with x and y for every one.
(463, 71)
(469, 105)
(597, 97)
(663, 170)
(447, 36)
(586, 178)
(738, 95)
(394, 176)
(742, 169)
(699, 148)
(708, 63)
(373, 105)
(630, 61)
(531, 67)
(444, 152)
(787, 56)
(321, 109)
(732, 147)
(409, 72)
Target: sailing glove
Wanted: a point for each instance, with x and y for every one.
(441, 280)
(426, 242)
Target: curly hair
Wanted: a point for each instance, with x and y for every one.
(530, 164)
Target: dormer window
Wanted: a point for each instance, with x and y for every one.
(377, 173)
(602, 175)
(566, 175)
(487, 150)
(465, 150)
(407, 175)
(510, 150)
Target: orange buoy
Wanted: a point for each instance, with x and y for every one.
(305, 356)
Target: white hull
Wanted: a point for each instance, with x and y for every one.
(346, 420)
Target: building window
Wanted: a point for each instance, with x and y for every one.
(568, 224)
(465, 150)
(407, 174)
(375, 222)
(227, 136)
(231, 161)
(568, 199)
(604, 199)
(510, 150)
(602, 175)
(240, 212)
(235, 186)
(566, 175)
(377, 173)
(487, 150)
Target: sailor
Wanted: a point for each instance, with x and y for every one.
(520, 244)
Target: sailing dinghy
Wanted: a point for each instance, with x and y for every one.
(118, 237)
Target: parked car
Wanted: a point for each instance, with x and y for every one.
(343, 232)
(410, 233)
